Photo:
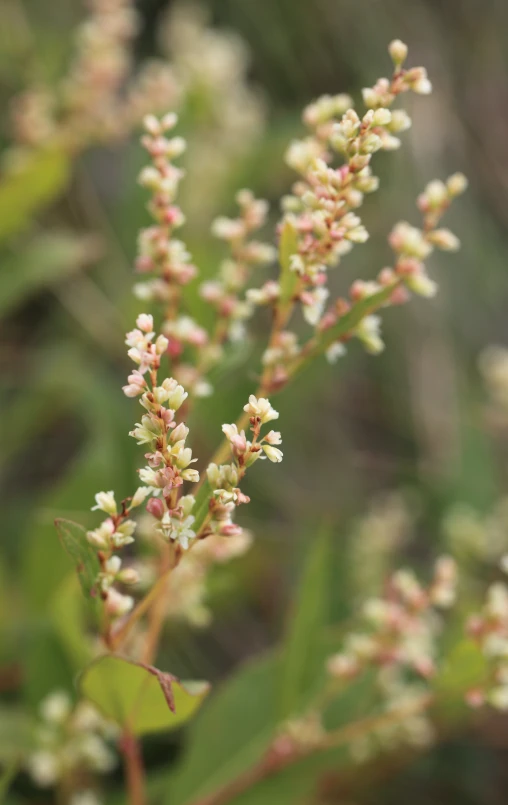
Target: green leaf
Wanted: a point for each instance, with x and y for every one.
(29, 185)
(67, 611)
(140, 698)
(234, 731)
(302, 659)
(73, 539)
(288, 245)
(45, 662)
(231, 734)
(43, 262)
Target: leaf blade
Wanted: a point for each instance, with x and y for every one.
(306, 627)
(74, 541)
(140, 698)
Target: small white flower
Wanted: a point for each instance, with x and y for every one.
(335, 351)
(260, 408)
(176, 393)
(273, 453)
(101, 537)
(56, 707)
(105, 501)
(445, 240)
(273, 437)
(113, 565)
(145, 323)
(44, 768)
(148, 476)
(139, 496)
(368, 331)
(423, 86)
(313, 304)
(161, 344)
(118, 604)
(122, 535)
(381, 117)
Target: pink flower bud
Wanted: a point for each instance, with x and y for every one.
(144, 264)
(155, 507)
(230, 530)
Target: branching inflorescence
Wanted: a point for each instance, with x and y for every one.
(192, 514)
(320, 225)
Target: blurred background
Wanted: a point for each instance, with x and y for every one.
(391, 451)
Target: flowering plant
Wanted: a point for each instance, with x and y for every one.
(149, 558)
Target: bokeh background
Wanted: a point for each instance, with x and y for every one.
(383, 449)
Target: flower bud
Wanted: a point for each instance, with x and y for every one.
(272, 453)
(444, 239)
(118, 604)
(456, 184)
(145, 322)
(152, 125)
(398, 52)
(139, 496)
(155, 507)
(128, 576)
(382, 117)
(105, 501)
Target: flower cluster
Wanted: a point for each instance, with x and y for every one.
(69, 739)
(88, 106)
(211, 67)
(234, 272)
(475, 537)
(406, 724)
(375, 538)
(169, 458)
(168, 467)
(224, 479)
(159, 252)
(321, 224)
(323, 202)
(114, 533)
(192, 349)
(402, 626)
(167, 260)
(489, 628)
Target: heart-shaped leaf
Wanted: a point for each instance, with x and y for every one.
(140, 698)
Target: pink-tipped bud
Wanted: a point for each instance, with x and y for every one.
(155, 507)
(230, 530)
